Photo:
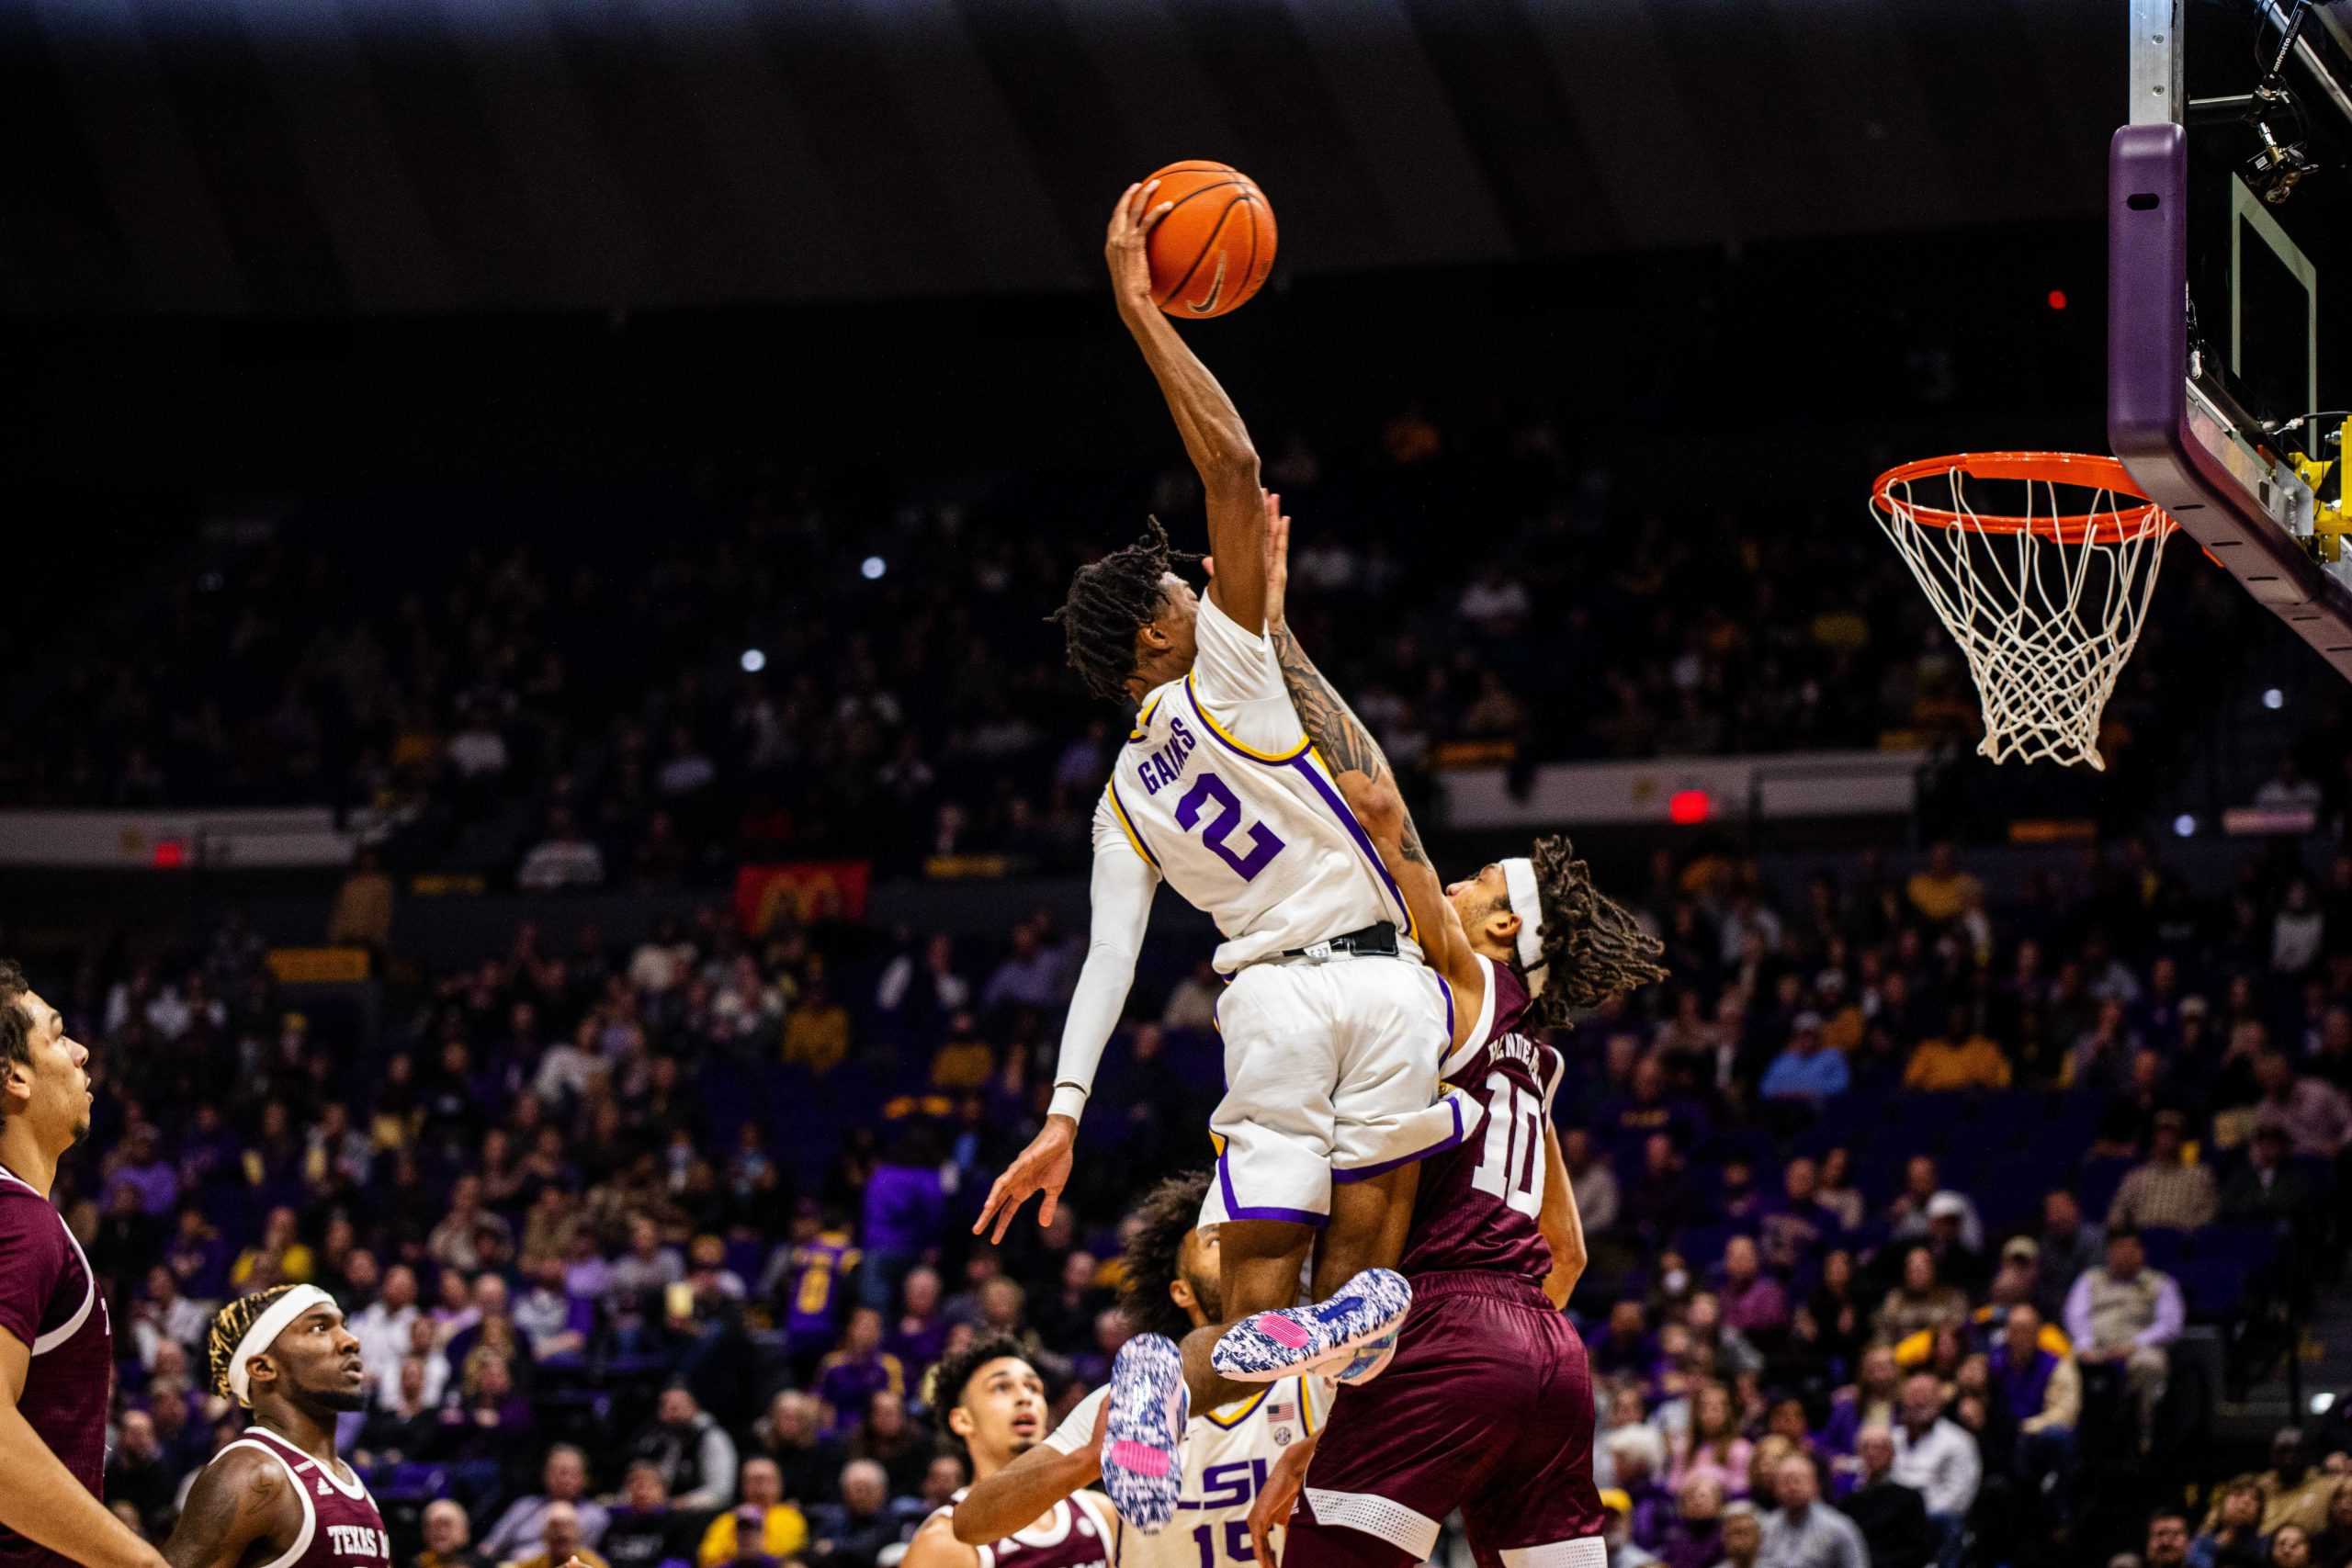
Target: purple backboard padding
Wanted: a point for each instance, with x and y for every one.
(2148, 396)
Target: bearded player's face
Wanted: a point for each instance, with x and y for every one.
(319, 1360)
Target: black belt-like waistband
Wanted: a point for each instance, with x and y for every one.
(1373, 941)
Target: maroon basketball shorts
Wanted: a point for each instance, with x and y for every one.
(1487, 1408)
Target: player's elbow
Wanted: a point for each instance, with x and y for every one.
(1230, 465)
(1375, 803)
(970, 1526)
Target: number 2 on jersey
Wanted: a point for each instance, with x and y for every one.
(1209, 789)
(1511, 1166)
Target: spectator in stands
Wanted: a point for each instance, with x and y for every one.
(2122, 1317)
(763, 1516)
(1891, 1515)
(1960, 1058)
(2167, 1539)
(1805, 1071)
(2069, 1249)
(563, 1482)
(1638, 1454)
(408, 1427)
(560, 1542)
(2166, 1192)
(1753, 1301)
(1695, 1539)
(853, 1532)
(2042, 1391)
(852, 1375)
(1922, 1301)
(1594, 1182)
(1804, 1531)
(1617, 1533)
(1743, 1537)
(136, 1472)
(1869, 1401)
(964, 1061)
(791, 1435)
(362, 915)
(2290, 1547)
(817, 1032)
(1712, 1445)
(696, 1455)
(447, 1537)
(2332, 1547)
(1907, 1216)
(891, 1440)
(2314, 1114)
(645, 1531)
(1936, 1457)
(1191, 1002)
(2292, 1492)
(2266, 1189)
(2232, 1534)
(1939, 891)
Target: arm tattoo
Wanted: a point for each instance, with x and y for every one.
(1334, 728)
(232, 1508)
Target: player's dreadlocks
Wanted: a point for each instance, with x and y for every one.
(943, 1390)
(228, 1327)
(1166, 1217)
(16, 1029)
(1593, 948)
(1109, 600)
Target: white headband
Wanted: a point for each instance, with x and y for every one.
(1519, 877)
(265, 1330)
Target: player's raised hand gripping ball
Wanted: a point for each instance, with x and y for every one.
(1214, 242)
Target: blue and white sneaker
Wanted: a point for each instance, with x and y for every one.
(1143, 1443)
(1324, 1336)
(1372, 1361)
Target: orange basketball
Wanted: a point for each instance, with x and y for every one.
(1216, 244)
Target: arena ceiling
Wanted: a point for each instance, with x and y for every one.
(322, 157)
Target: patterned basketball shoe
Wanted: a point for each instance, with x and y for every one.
(1324, 1336)
(1143, 1445)
(1372, 1361)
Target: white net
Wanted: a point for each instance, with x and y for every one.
(2047, 602)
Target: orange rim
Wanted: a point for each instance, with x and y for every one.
(2113, 525)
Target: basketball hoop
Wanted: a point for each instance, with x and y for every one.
(2046, 601)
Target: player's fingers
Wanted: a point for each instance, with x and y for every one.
(1260, 1534)
(988, 1210)
(1046, 1206)
(1151, 218)
(1121, 209)
(1004, 1218)
(1208, 565)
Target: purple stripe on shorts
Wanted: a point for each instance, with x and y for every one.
(1446, 1046)
(1234, 1210)
(1366, 1173)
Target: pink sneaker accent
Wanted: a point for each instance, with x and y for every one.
(1275, 1327)
(1140, 1458)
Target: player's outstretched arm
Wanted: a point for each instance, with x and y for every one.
(1215, 437)
(1121, 892)
(1279, 1496)
(1020, 1495)
(239, 1499)
(40, 1499)
(1562, 1226)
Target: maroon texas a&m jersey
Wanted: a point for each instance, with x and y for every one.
(50, 1301)
(341, 1527)
(1477, 1203)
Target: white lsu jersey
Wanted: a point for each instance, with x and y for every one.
(1219, 792)
(1227, 1454)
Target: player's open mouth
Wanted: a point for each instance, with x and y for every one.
(1025, 1425)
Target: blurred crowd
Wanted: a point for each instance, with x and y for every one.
(1917, 1216)
(803, 667)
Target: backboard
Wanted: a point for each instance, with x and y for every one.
(2230, 194)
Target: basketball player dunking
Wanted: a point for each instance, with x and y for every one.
(990, 1400)
(1488, 1406)
(1168, 1286)
(56, 1345)
(1331, 1026)
(278, 1497)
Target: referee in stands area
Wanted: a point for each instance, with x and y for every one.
(56, 1344)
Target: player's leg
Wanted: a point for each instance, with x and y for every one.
(1540, 1507)
(1388, 1115)
(1400, 1454)
(1271, 1197)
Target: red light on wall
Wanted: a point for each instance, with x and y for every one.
(1686, 806)
(2057, 298)
(170, 854)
